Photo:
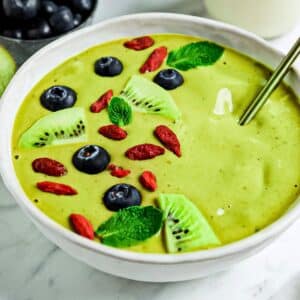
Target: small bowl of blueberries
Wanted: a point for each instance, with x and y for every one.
(28, 25)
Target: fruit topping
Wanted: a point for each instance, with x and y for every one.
(91, 159)
(224, 102)
(56, 188)
(155, 60)
(58, 97)
(7, 68)
(121, 196)
(62, 20)
(118, 171)
(148, 181)
(168, 138)
(130, 226)
(49, 167)
(82, 226)
(61, 127)
(108, 66)
(194, 55)
(145, 96)
(102, 102)
(144, 151)
(21, 10)
(139, 43)
(113, 132)
(168, 79)
(119, 111)
(186, 228)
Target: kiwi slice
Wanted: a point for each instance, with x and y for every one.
(185, 227)
(145, 96)
(62, 127)
(7, 68)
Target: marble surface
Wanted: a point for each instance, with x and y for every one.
(32, 268)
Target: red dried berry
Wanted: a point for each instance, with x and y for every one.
(148, 181)
(56, 188)
(155, 60)
(113, 132)
(82, 226)
(49, 167)
(139, 43)
(102, 102)
(144, 151)
(118, 171)
(168, 138)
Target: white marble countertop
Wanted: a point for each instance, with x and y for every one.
(32, 268)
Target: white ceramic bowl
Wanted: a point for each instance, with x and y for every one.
(138, 266)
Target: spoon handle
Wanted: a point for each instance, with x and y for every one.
(262, 97)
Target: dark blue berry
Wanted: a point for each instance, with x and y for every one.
(41, 30)
(13, 33)
(91, 159)
(77, 20)
(121, 196)
(58, 97)
(169, 79)
(62, 20)
(20, 9)
(83, 6)
(108, 66)
(49, 7)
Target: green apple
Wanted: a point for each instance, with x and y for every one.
(7, 68)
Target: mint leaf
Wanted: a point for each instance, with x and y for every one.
(194, 55)
(119, 111)
(130, 226)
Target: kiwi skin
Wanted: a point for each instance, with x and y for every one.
(62, 127)
(7, 68)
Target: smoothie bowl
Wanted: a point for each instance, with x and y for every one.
(122, 145)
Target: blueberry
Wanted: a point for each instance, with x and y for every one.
(62, 20)
(41, 30)
(49, 7)
(169, 79)
(13, 33)
(121, 196)
(58, 97)
(91, 159)
(77, 20)
(83, 6)
(21, 9)
(108, 66)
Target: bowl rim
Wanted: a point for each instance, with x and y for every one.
(38, 217)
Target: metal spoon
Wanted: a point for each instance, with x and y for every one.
(262, 97)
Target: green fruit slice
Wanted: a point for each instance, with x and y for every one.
(7, 68)
(145, 96)
(62, 127)
(185, 227)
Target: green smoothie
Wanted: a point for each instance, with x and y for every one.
(241, 179)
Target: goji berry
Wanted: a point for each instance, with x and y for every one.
(155, 60)
(168, 138)
(148, 181)
(102, 102)
(82, 226)
(139, 43)
(144, 151)
(49, 167)
(113, 132)
(118, 171)
(56, 188)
